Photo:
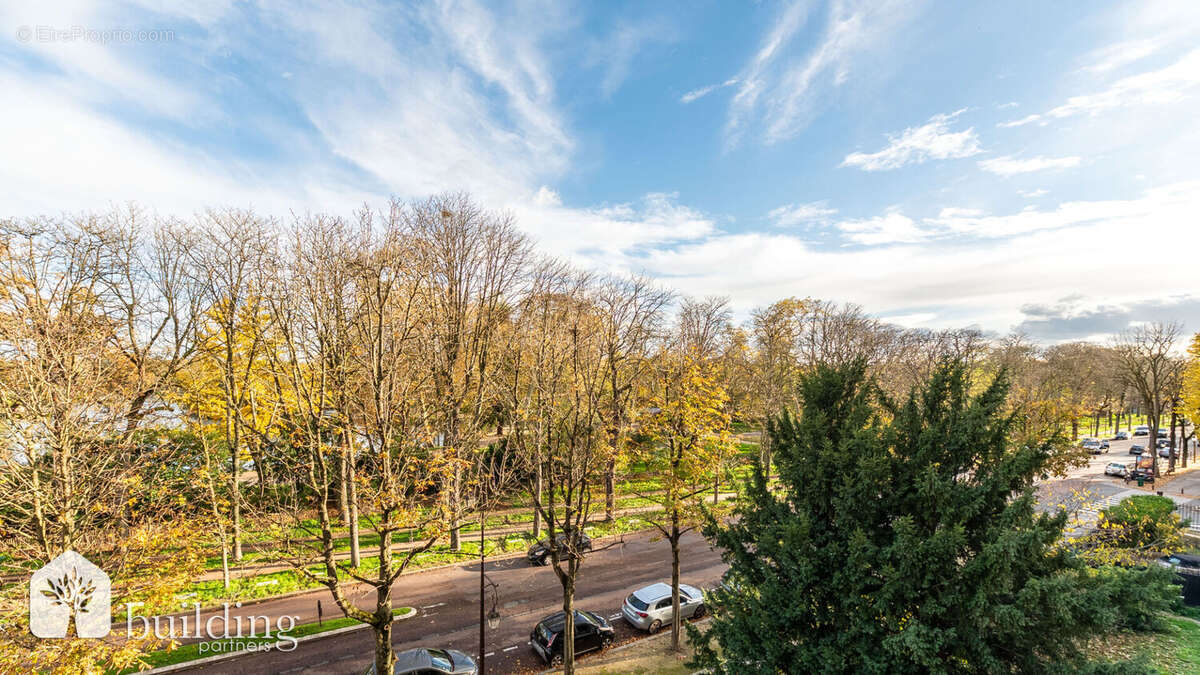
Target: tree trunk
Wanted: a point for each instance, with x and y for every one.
(675, 618)
(537, 513)
(343, 488)
(1171, 457)
(235, 499)
(1074, 428)
(568, 636)
(610, 490)
(383, 648)
(455, 534)
(352, 502)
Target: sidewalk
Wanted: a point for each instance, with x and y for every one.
(1184, 482)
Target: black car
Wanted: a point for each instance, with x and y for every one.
(1141, 474)
(539, 553)
(591, 632)
(1136, 449)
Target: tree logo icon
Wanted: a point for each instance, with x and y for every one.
(69, 597)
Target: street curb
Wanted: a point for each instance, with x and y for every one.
(216, 658)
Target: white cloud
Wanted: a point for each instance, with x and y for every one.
(890, 228)
(790, 215)
(982, 280)
(1033, 193)
(932, 140)
(782, 91)
(701, 92)
(1011, 166)
(1122, 54)
(617, 51)
(1156, 87)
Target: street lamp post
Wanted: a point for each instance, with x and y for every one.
(491, 619)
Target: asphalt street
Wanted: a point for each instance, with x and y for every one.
(448, 599)
(448, 603)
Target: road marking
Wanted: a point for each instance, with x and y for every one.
(434, 605)
(489, 654)
(614, 616)
(509, 649)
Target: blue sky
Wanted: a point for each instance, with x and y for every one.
(1017, 165)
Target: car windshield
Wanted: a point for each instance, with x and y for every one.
(636, 603)
(545, 633)
(441, 659)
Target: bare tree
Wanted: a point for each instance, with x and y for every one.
(554, 384)
(1148, 366)
(474, 262)
(631, 312)
(230, 258)
(379, 377)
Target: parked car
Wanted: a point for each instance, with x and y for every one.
(1136, 449)
(1182, 562)
(1141, 430)
(1142, 474)
(1115, 469)
(1162, 433)
(591, 632)
(1165, 452)
(730, 583)
(428, 661)
(1121, 436)
(539, 553)
(649, 608)
(1091, 445)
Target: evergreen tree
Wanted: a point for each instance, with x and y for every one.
(904, 539)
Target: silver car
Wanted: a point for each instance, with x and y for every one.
(649, 608)
(422, 661)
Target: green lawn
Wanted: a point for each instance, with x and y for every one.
(1174, 651)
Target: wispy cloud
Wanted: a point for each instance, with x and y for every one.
(1155, 87)
(781, 91)
(1039, 192)
(701, 92)
(754, 77)
(1011, 166)
(932, 140)
(790, 215)
(616, 52)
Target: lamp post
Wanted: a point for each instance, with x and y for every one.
(491, 619)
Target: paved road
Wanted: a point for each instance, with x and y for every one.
(449, 608)
(1088, 490)
(448, 598)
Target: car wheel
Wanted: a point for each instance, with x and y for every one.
(606, 642)
(654, 626)
(699, 612)
(556, 660)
